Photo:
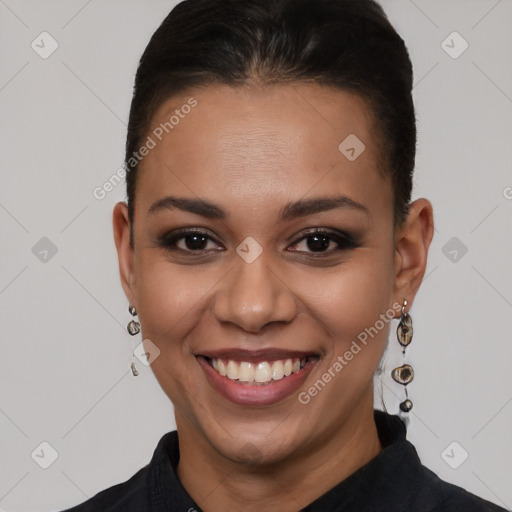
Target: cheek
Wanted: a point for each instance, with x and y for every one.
(353, 308)
(351, 298)
(344, 299)
(170, 296)
(171, 303)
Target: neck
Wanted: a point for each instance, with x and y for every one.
(216, 483)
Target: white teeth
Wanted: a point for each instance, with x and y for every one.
(222, 367)
(260, 373)
(263, 372)
(246, 372)
(232, 370)
(278, 370)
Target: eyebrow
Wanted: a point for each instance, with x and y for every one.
(290, 211)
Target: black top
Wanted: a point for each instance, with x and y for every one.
(394, 481)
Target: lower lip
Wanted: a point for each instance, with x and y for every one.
(267, 394)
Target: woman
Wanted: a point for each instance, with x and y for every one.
(267, 242)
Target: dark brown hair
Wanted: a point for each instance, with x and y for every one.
(347, 44)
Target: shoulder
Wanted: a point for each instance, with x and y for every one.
(401, 479)
(436, 495)
(128, 496)
(135, 494)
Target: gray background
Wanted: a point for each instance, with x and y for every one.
(65, 353)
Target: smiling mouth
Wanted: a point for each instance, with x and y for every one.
(262, 373)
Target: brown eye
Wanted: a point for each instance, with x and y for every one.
(194, 242)
(327, 242)
(188, 241)
(318, 243)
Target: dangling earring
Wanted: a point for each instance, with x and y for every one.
(404, 374)
(133, 328)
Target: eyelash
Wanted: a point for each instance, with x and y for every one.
(344, 240)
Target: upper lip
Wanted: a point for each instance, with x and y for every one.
(255, 356)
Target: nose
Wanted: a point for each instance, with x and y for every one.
(253, 295)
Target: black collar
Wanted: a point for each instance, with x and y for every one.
(389, 477)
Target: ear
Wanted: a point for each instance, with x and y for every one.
(125, 256)
(412, 241)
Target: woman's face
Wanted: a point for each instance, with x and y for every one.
(254, 173)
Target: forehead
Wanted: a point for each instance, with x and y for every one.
(253, 141)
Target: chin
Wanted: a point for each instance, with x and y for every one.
(260, 443)
(259, 452)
